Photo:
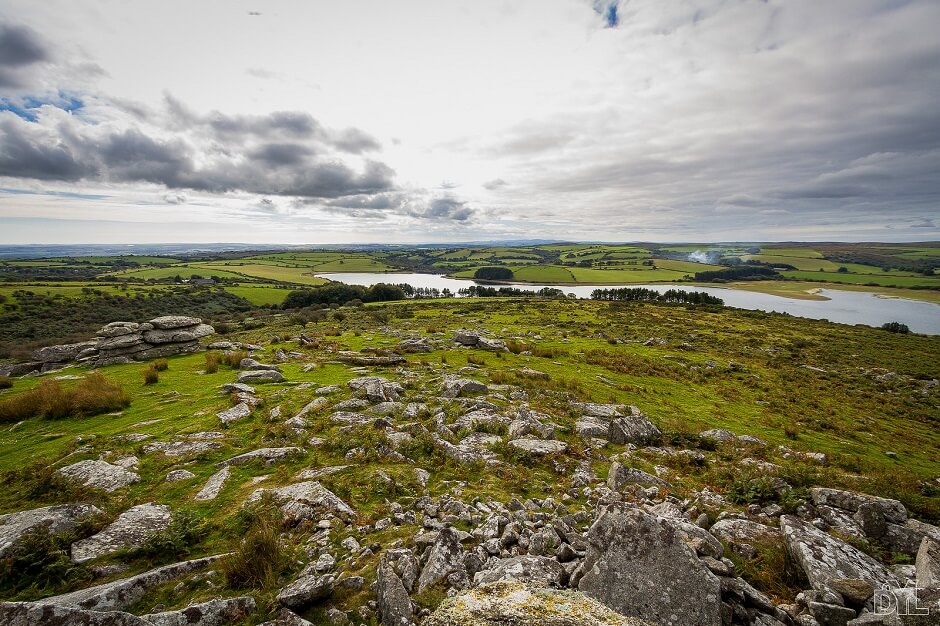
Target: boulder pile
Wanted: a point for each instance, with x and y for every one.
(120, 342)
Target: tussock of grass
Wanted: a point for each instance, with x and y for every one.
(93, 395)
(151, 376)
(212, 362)
(260, 557)
(5, 382)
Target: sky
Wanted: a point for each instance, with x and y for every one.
(418, 121)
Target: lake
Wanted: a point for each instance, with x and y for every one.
(845, 307)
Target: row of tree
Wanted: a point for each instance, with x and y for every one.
(642, 294)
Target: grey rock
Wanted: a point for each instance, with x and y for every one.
(511, 603)
(181, 448)
(605, 411)
(34, 614)
(309, 493)
(744, 532)
(168, 322)
(445, 558)
(261, 377)
(99, 475)
(130, 530)
(270, 456)
(394, 605)
(210, 491)
(306, 590)
(824, 558)
(466, 337)
(538, 570)
(177, 335)
(831, 614)
(369, 360)
(237, 412)
(619, 476)
(640, 566)
(636, 428)
(927, 563)
(56, 519)
(455, 386)
(120, 594)
(250, 364)
(62, 353)
(414, 345)
(493, 345)
(177, 475)
(892, 510)
(238, 388)
(216, 612)
(539, 447)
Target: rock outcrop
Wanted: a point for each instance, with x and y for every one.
(130, 530)
(55, 519)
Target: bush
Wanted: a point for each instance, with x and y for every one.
(161, 365)
(260, 558)
(39, 562)
(233, 359)
(5, 382)
(184, 531)
(896, 327)
(151, 376)
(93, 395)
(212, 362)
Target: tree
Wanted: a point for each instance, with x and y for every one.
(493, 273)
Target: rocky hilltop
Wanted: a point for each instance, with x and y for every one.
(457, 491)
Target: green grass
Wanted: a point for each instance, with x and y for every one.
(183, 271)
(887, 280)
(259, 295)
(298, 275)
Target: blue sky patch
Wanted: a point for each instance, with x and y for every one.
(28, 106)
(60, 194)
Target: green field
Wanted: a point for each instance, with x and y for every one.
(259, 295)
(183, 271)
(888, 280)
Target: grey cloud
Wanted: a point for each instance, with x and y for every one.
(281, 154)
(36, 155)
(20, 48)
(354, 141)
(444, 208)
(377, 202)
(496, 183)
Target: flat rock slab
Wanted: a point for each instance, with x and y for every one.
(181, 448)
(539, 446)
(120, 594)
(238, 388)
(130, 530)
(540, 571)
(454, 386)
(621, 476)
(237, 412)
(743, 531)
(270, 456)
(213, 486)
(177, 475)
(357, 358)
(261, 377)
(216, 612)
(99, 475)
(310, 493)
(607, 411)
(509, 602)
(34, 614)
(168, 322)
(307, 589)
(824, 558)
(56, 519)
(640, 565)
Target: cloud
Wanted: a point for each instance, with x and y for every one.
(494, 184)
(443, 208)
(20, 48)
(284, 153)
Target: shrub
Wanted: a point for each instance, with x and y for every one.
(5, 382)
(151, 376)
(184, 531)
(476, 360)
(233, 359)
(212, 362)
(39, 562)
(161, 365)
(896, 327)
(515, 346)
(93, 395)
(259, 558)
(493, 273)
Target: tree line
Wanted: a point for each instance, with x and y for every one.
(642, 294)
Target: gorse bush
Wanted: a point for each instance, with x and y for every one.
(93, 395)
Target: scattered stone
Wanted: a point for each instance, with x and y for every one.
(238, 388)
(237, 412)
(394, 605)
(539, 447)
(454, 386)
(182, 448)
(538, 570)
(180, 474)
(99, 475)
(369, 360)
(210, 491)
(56, 519)
(307, 589)
(215, 612)
(261, 377)
(270, 456)
(306, 499)
(130, 530)
(620, 476)
(445, 559)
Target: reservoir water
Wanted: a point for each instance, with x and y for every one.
(845, 307)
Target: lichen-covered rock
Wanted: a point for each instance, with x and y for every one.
(177, 475)
(269, 456)
(394, 605)
(510, 603)
(445, 558)
(540, 571)
(539, 447)
(99, 475)
(210, 491)
(744, 532)
(620, 476)
(237, 412)
(635, 428)
(56, 519)
(131, 529)
(33, 614)
(169, 322)
(261, 377)
(640, 565)
(455, 386)
(62, 353)
(824, 558)
(307, 589)
(308, 495)
(215, 612)
(892, 510)
(928, 563)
